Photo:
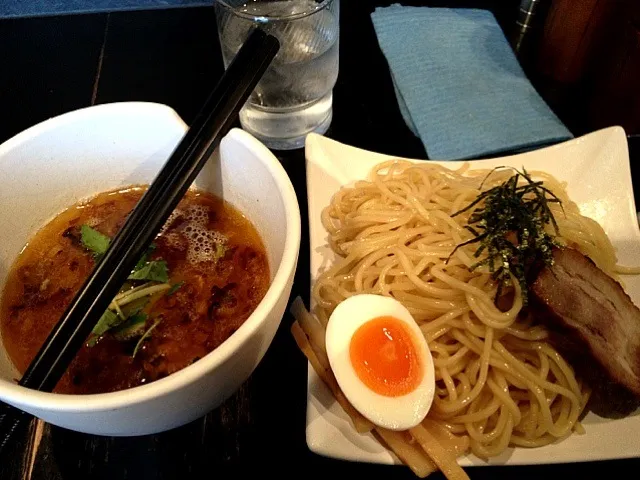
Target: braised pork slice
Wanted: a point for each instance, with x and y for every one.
(593, 323)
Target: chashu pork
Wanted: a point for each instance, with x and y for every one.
(594, 324)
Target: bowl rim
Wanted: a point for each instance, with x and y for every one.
(68, 403)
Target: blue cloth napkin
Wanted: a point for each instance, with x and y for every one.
(459, 84)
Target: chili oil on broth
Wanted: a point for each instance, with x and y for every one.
(217, 294)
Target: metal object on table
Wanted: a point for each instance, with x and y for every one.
(529, 15)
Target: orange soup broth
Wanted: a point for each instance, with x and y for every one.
(217, 296)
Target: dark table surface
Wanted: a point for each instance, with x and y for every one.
(52, 65)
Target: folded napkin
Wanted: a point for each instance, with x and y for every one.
(459, 84)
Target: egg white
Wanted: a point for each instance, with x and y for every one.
(393, 413)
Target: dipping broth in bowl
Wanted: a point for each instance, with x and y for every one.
(202, 277)
(48, 169)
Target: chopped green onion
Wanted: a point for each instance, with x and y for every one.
(146, 335)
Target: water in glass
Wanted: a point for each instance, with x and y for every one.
(294, 96)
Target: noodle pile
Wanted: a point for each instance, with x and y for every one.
(498, 382)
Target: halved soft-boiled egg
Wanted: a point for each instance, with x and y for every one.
(381, 360)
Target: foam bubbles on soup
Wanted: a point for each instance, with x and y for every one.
(203, 244)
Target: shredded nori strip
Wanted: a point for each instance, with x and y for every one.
(509, 224)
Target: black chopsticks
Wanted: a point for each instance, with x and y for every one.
(144, 222)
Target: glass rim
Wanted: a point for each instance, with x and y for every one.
(276, 18)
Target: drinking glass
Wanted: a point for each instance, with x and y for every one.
(294, 97)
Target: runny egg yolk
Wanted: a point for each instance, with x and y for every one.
(385, 358)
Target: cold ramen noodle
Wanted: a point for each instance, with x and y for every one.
(198, 282)
(513, 290)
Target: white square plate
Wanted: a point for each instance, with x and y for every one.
(596, 169)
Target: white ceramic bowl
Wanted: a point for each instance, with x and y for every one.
(74, 156)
